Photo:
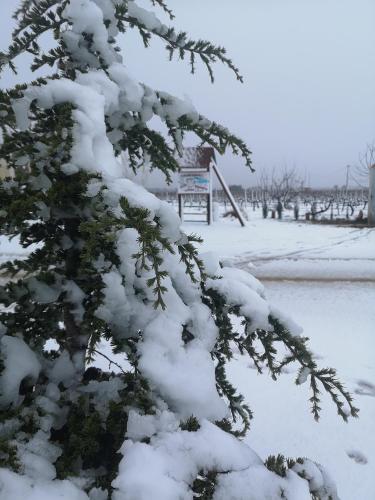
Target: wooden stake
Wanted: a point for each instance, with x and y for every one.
(229, 194)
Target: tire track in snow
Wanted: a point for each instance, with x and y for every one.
(245, 258)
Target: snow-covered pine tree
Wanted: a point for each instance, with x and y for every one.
(109, 262)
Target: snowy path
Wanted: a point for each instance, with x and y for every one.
(324, 262)
(271, 249)
(312, 269)
(353, 236)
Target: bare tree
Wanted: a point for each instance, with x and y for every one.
(366, 176)
(264, 184)
(285, 184)
(365, 161)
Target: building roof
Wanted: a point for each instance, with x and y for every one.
(200, 157)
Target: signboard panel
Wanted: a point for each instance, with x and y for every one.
(194, 178)
(194, 183)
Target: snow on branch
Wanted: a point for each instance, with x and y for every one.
(265, 331)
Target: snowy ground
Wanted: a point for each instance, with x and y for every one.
(340, 321)
(324, 277)
(288, 249)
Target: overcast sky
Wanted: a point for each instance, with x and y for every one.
(309, 67)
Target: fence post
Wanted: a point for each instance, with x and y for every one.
(371, 197)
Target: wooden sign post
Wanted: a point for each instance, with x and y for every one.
(195, 178)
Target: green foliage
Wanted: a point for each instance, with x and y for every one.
(190, 425)
(141, 141)
(190, 257)
(216, 136)
(93, 433)
(9, 455)
(179, 42)
(279, 464)
(267, 350)
(83, 433)
(299, 352)
(204, 485)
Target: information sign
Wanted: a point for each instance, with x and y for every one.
(194, 183)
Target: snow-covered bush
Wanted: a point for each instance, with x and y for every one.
(110, 262)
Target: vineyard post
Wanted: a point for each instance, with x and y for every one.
(371, 199)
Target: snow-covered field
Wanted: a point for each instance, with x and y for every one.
(289, 249)
(339, 318)
(323, 277)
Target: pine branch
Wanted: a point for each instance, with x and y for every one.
(216, 136)
(151, 243)
(190, 257)
(30, 12)
(327, 376)
(235, 400)
(32, 28)
(146, 146)
(296, 345)
(180, 43)
(110, 361)
(164, 6)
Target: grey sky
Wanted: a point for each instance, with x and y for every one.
(309, 68)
